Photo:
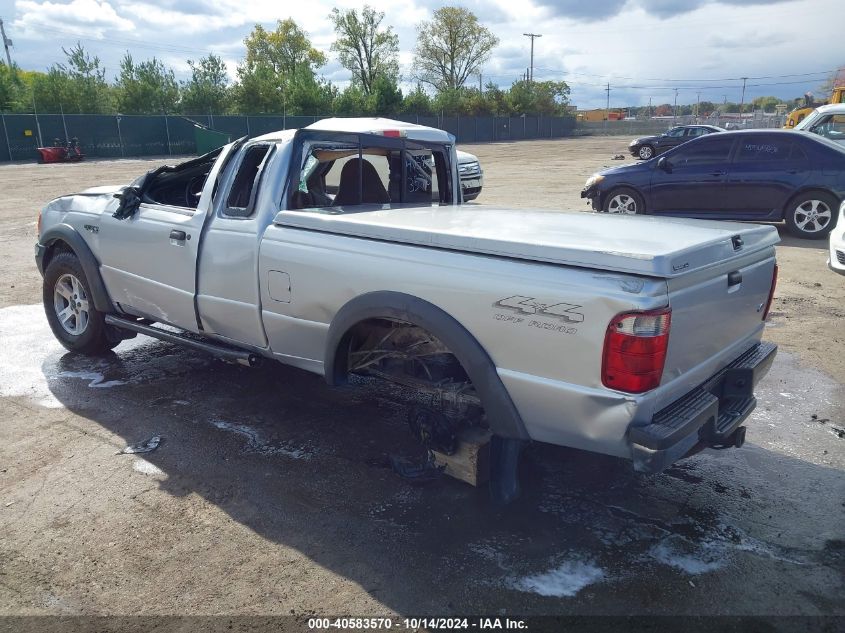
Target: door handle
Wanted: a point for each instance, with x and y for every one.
(177, 235)
(734, 278)
(718, 173)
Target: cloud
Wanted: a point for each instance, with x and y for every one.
(579, 10)
(94, 16)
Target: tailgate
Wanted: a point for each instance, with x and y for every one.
(717, 308)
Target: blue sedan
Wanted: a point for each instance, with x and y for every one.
(757, 175)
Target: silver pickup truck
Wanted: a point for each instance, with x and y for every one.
(342, 248)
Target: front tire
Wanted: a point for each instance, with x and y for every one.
(624, 200)
(69, 307)
(811, 215)
(646, 152)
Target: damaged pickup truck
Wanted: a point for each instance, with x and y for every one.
(342, 248)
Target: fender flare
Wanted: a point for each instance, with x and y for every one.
(502, 414)
(90, 265)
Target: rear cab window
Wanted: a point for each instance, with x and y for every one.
(345, 170)
(240, 201)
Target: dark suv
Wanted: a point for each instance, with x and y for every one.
(647, 147)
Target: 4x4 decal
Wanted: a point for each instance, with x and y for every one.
(529, 305)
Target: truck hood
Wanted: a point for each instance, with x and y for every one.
(642, 245)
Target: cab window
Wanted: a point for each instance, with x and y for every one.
(241, 198)
(337, 174)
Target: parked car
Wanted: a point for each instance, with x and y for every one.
(471, 174)
(827, 121)
(647, 147)
(837, 244)
(340, 249)
(757, 175)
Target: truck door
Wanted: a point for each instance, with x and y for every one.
(228, 296)
(148, 260)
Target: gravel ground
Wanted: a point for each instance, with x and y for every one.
(270, 493)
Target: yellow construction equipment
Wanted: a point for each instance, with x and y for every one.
(837, 95)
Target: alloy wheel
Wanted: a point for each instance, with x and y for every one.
(71, 304)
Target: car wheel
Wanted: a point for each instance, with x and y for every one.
(624, 200)
(811, 215)
(70, 310)
(646, 152)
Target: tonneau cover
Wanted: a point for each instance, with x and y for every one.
(642, 245)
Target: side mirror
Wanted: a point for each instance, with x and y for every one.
(664, 164)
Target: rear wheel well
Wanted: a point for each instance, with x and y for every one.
(409, 355)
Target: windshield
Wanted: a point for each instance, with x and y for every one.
(828, 125)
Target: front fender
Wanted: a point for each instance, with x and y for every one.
(90, 266)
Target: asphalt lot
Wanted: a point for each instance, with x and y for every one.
(270, 493)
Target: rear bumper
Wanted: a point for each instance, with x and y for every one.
(708, 416)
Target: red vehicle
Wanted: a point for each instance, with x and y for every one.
(58, 153)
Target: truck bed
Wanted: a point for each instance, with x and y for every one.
(642, 245)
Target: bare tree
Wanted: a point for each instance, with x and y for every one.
(451, 47)
(364, 48)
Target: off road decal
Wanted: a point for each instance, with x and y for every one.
(566, 312)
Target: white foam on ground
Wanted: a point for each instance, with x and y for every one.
(25, 341)
(257, 444)
(693, 559)
(565, 580)
(146, 468)
(97, 379)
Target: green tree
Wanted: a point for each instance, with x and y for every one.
(274, 62)
(52, 91)
(12, 88)
(417, 102)
(207, 90)
(147, 87)
(89, 92)
(364, 48)
(451, 47)
(385, 97)
(351, 102)
(538, 97)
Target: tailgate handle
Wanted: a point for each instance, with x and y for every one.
(734, 278)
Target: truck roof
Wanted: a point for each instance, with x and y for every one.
(366, 125)
(378, 125)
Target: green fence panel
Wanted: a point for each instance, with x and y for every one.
(114, 136)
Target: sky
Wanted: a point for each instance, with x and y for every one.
(644, 49)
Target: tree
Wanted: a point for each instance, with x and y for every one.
(274, 61)
(451, 47)
(364, 48)
(385, 97)
(89, 92)
(417, 102)
(351, 102)
(207, 90)
(538, 97)
(147, 87)
(12, 88)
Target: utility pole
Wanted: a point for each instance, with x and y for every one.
(742, 101)
(480, 89)
(675, 109)
(532, 36)
(697, 106)
(607, 109)
(6, 43)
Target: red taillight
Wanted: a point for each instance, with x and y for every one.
(771, 292)
(393, 133)
(635, 350)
